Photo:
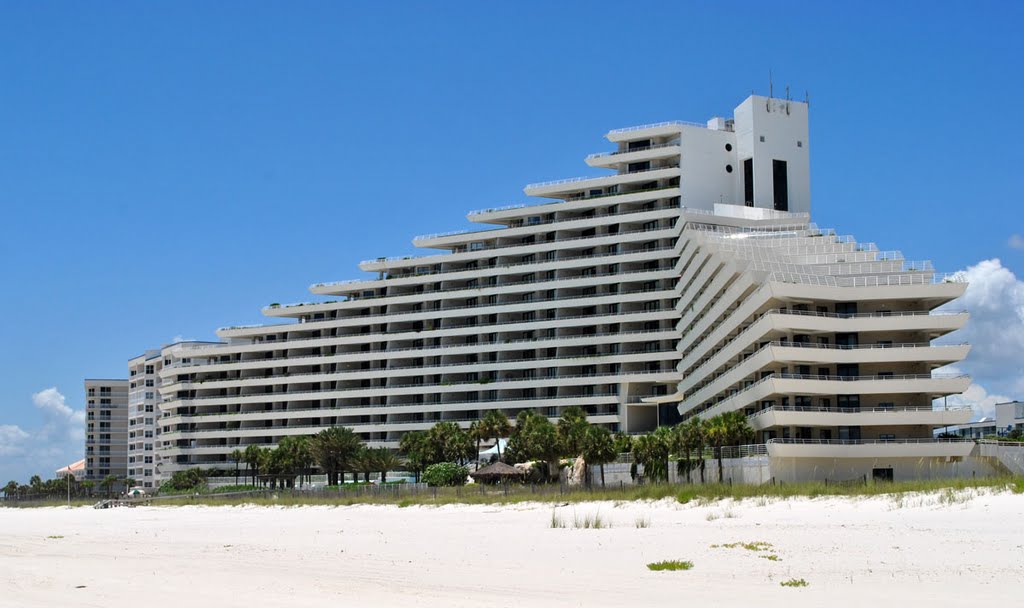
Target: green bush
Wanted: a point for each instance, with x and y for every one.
(187, 480)
(445, 474)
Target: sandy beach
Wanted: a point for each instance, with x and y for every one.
(919, 549)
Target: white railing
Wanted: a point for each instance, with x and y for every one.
(794, 441)
(655, 125)
(853, 410)
(574, 180)
(427, 350)
(672, 144)
(424, 407)
(598, 378)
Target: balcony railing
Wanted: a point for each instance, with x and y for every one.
(794, 441)
(335, 411)
(809, 313)
(481, 365)
(497, 384)
(811, 345)
(671, 144)
(424, 349)
(854, 410)
(667, 123)
(575, 180)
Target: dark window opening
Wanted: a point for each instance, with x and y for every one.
(748, 182)
(780, 184)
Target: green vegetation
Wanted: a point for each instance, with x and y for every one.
(556, 521)
(770, 557)
(643, 522)
(795, 582)
(590, 521)
(754, 546)
(446, 474)
(670, 565)
(55, 536)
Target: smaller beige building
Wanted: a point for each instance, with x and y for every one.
(106, 428)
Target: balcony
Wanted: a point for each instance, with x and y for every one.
(834, 417)
(557, 188)
(868, 448)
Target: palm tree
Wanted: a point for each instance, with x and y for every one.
(254, 457)
(598, 448)
(332, 450)
(572, 429)
(237, 456)
(11, 488)
(35, 481)
(385, 460)
(449, 443)
(727, 429)
(363, 462)
(536, 438)
(108, 483)
(652, 451)
(414, 446)
(689, 440)
(495, 425)
(476, 432)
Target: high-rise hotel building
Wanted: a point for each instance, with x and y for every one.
(106, 428)
(686, 281)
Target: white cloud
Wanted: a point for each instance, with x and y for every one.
(977, 397)
(1016, 241)
(12, 439)
(41, 451)
(995, 299)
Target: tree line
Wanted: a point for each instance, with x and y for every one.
(338, 451)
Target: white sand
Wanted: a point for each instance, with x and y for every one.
(852, 552)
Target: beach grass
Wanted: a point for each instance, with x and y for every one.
(670, 565)
(795, 582)
(701, 495)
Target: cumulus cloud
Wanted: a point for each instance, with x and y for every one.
(1016, 241)
(995, 300)
(41, 450)
(977, 397)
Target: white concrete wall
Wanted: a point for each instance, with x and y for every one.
(851, 469)
(782, 124)
(704, 179)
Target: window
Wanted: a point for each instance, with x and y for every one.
(728, 147)
(748, 182)
(780, 185)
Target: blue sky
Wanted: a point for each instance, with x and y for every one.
(168, 168)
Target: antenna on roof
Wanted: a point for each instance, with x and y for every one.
(787, 100)
(771, 92)
(770, 84)
(807, 98)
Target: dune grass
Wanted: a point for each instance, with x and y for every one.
(702, 495)
(670, 565)
(795, 582)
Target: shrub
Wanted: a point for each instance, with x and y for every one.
(795, 582)
(674, 564)
(187, 480)
(445, 474)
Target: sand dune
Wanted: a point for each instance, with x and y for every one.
(923, 550)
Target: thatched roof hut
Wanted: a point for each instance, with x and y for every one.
(499, 471)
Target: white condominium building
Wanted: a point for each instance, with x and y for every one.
(106, 428)
(686, 280)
